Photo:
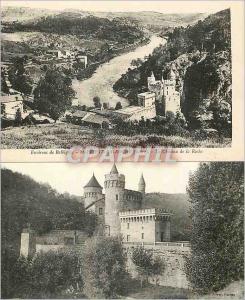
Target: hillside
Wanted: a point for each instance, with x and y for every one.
(25, 201)
(179, 205)
(152, 20)
(200, 56)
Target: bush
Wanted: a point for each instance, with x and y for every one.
(104, 268)
(47, 275)
(146, 264)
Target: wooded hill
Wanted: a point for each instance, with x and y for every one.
(178, 204)
(118, 29)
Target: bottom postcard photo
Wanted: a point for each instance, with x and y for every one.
(130, 231)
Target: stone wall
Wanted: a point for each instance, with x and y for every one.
(174, 256)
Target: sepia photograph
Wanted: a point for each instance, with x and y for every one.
(96, 231)
(118, 73)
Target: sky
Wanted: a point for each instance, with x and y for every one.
(167, 177)
(115, 5)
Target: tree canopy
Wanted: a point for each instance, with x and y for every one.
(217, 236)
(53, 94)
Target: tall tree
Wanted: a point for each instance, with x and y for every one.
(53, 94)
(217, 249)
(104, 268)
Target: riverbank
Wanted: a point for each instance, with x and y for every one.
(89, 71)
(102, 78)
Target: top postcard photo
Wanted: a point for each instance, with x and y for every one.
(123, 74)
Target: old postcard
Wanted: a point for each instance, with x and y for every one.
(122, 74)
(171, 231)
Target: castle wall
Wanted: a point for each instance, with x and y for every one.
(162, 231)
(146, 112)
(174, 257)
(27, 244)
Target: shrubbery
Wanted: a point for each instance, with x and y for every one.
(47, 275)
(104, 268)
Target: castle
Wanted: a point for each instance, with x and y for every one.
(161, 93)
(165, 92)
(120, 211)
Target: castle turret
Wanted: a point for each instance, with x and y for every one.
(114, 191)
(28, 243)
(92, 192)
(142, 185)
(151, 80)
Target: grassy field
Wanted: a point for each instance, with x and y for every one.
(65, 136)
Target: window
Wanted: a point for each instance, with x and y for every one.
(142, 236)
(128, 238)
(100, 211)
(128, 226)
(116, 197)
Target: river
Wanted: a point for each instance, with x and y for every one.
(102, 81)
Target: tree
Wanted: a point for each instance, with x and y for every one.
(104, 268)
(18, 117)
(96, 101)
(47, 274)
(105, 105)
(146, 264)
(216, 195)
(53, 94)
(118, 105)
(18, 77)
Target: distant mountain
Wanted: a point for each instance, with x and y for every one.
(152, 20)
(179, 205)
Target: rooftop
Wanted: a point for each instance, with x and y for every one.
(93, 182)
(11, 98)
(145, 94)
(130, 110)
(94, 118)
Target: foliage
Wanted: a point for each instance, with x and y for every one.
(26, 201)
(117, 29)
(97, 102)
(18, 77)
(46, 275)
(53, 94)
(169, 125)
(217, 237)
(104, 268)
(118, 105)
(18, 117)
(147, 264)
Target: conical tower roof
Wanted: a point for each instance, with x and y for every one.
(93, 182)
(142, 180)
(114, 169)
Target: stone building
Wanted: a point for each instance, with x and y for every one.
(120, 212)
(165, 92)
(146, 108)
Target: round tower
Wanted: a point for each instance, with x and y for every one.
(114, 191)
(141, 186)
(92, 192)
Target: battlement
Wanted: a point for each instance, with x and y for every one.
(169, 82)
(145, 212)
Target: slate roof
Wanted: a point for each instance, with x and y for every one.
(114, 170)
(93, 182)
